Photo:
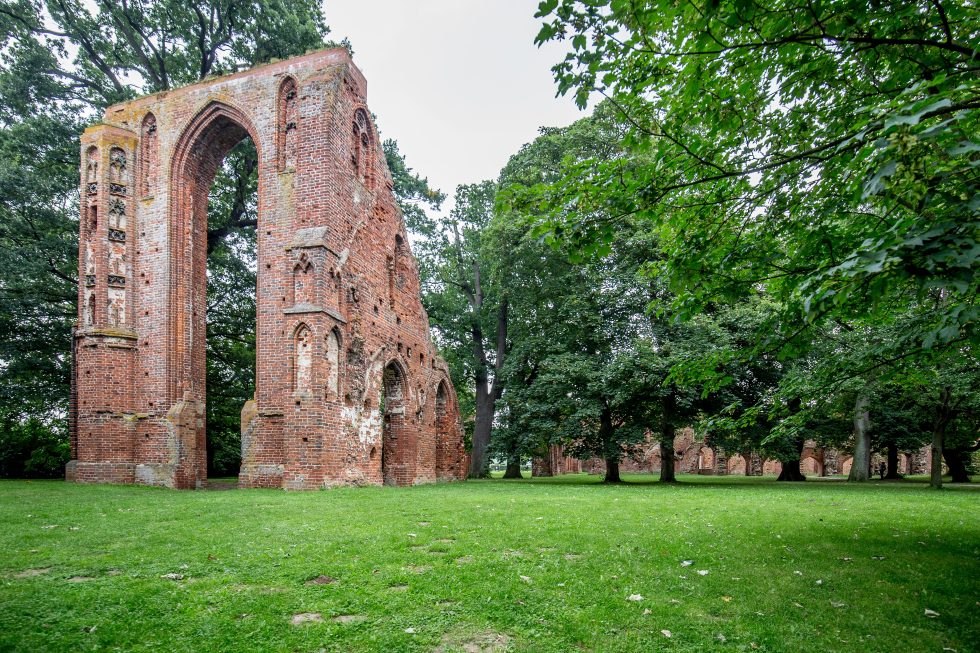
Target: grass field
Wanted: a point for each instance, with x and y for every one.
(542, 565)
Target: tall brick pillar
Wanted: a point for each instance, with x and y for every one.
(105, 341)
(721, 462)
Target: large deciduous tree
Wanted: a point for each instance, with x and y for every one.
(468, 310)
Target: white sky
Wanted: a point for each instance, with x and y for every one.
(458, 83)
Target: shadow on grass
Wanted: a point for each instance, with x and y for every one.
(697, 481)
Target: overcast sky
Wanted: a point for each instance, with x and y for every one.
(458, 83)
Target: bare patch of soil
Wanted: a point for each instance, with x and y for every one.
(485, 642)
(32, 573)
(349, 619)
(306, 617)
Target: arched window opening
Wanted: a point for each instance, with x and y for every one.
(394, 447)
(303, 353)
(361, 145)
(441, 401)
(288, 123)
(443, 446)
(304, 284)
(117, 166)
(149, 156)
(92, 170)
(393, 386)
(333, 363)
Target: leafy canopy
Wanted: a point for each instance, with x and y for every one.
(824, 152)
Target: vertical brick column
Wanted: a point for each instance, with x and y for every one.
(103, 416)
(721, 462)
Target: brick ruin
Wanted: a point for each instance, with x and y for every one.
(693, 456)
(349, 388)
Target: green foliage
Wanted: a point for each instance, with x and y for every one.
(231, 305)
(30, 448)
(590, 364)
(822, 151)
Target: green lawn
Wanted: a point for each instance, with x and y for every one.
(542, 565)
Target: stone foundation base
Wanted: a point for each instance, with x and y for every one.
(156, 474)
(256, 476)
(102, 472)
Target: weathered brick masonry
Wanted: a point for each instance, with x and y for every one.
(349, 388)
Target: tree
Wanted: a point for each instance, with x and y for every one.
(64, 62)
(840, 134)
(824, 153)
(947, 394)
(468, 312)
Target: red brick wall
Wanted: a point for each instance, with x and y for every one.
(333, 262)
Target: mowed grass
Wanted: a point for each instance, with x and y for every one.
(532, 565)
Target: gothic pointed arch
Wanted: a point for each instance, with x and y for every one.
(362, 147)
(302, 358)
(149, 157)
(287, 132)
(199, 151)
(333, 349)
(448, 449)
(398, 444)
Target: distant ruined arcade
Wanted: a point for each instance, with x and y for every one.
(349, 388)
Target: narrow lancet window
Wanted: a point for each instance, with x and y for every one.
(361, 147)
(149, 156)
(333, 363)
(288, 124)
(304, 359)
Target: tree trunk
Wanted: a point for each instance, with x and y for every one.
(956, 461)
(943, 416)
(611, 449)
(861, 462)
(791, 468)
(936, 458)
(667, 474)
(893, 461)
(481, 430)
(486, 397)
(612, 472)
(513, 464)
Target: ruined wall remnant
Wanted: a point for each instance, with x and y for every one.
(349, 388)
